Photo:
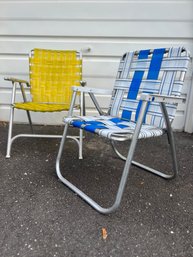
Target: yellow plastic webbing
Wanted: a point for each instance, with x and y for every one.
(39, 107)
(52, 74)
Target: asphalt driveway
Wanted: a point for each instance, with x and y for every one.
(40, 217)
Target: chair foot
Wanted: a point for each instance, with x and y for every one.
(9, 145)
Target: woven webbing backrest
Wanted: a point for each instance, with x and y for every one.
(159, 71)
(53, 73)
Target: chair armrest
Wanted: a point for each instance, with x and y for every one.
(18, 80)
(15, 81)
(92, 90)
(161, 98)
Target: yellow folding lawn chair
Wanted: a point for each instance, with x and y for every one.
(52, 73)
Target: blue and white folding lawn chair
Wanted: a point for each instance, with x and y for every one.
(143, 105)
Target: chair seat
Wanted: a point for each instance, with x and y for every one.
(41, 107)
(112, 127)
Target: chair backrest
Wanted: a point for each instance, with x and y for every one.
(158, 71)
(53, 73)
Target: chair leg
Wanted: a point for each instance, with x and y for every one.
(9, 139)
(30, 121)
(73, 187)
(173, 156)
(124, 176)
(173, 152)
(77, 139)
(170, 139)
(80, 143)
(172, 148)
(149, 169)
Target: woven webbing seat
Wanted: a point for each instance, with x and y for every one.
(143, 104)
(110, 127)
(52, 73)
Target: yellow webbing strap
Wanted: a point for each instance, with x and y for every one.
(41, 107)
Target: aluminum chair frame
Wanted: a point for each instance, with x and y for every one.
(20, 82)
(145, 98)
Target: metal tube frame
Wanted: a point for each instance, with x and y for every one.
(124, 176)
(128, 159)
(25, 100)
(11, 139)
(172, 149)
(77, 139)
(11, 116)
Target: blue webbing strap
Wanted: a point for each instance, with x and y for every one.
(135, 84)
(90, 126)
(153, 73)
(155, 63)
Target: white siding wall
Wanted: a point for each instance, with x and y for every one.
(108, 28)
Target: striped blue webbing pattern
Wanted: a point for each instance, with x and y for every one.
(157, 75)
(167, 86)
(138, 76)
(153, 74)
(108, 126)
